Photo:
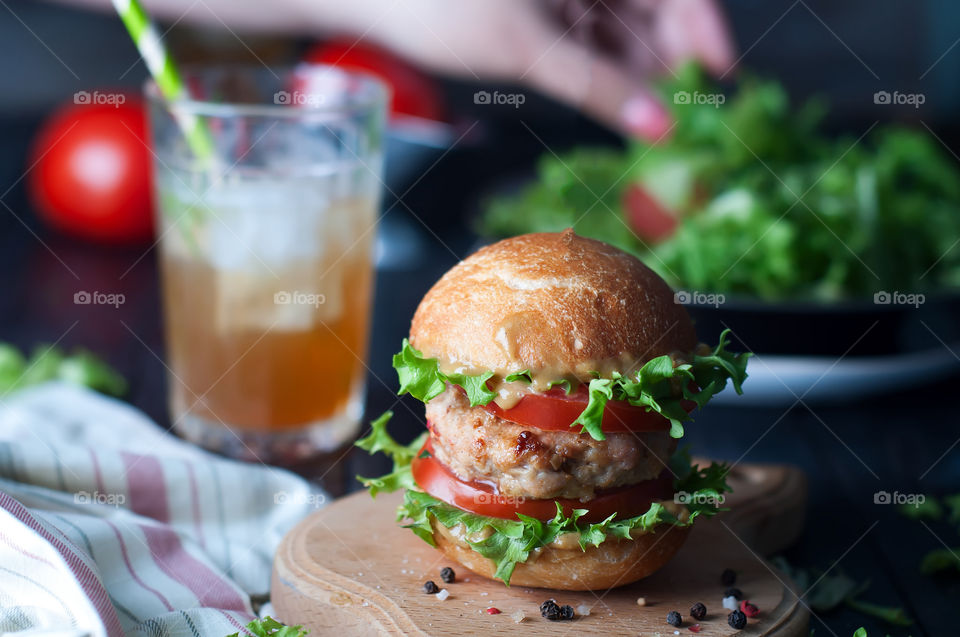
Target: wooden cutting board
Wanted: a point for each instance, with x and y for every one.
(349, 569)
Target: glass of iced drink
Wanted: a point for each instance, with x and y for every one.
(266, 255)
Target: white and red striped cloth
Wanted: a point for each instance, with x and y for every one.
(111, 526)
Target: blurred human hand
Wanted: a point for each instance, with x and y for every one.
(595, 55)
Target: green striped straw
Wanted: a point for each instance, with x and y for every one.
(165, 74)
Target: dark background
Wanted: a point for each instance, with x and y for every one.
(905, 441)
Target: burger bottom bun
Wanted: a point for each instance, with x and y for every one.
(613, 563)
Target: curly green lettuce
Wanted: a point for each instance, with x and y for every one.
(512, 541)
(270, 627)
(823, 217)
(654, 386)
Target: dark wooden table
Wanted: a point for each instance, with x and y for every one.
(849, 451)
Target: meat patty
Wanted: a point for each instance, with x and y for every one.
(523, 461)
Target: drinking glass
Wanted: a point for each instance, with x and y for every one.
(265, 255)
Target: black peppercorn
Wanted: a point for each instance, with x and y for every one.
(728, 577)
(733, 592)
(737, 620)
(430, 587)
(447, 575)
(550, 610)
(554, 612)
(698, 611)
(674, 619)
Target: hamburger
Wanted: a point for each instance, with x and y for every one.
(558, 373)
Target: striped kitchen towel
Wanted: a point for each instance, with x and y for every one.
(111, 526)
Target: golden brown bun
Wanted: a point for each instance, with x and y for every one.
(554, 303)
(613, 563)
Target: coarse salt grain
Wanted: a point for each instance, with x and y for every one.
(730, 603)
(518, 616)
(583, 609)
(443, 594)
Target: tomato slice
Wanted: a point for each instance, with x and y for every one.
(555, 410)
(648, 219)
(483, 499)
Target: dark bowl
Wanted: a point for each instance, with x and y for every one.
(843, 328)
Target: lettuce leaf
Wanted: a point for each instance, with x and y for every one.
(510, 542)
(421, 378)
(654, 387)
(270, 627)
(744, 227)
(52, 363)
(380, 440)
(658, 386)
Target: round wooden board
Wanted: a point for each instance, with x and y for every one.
(349, 569)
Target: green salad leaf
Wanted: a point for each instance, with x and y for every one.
(769, 205)
(826, 591)
(659, 385)
(930, 507)
(51, 363)
(379, 440)
(421, 378)
(510, 542)
(270, 627)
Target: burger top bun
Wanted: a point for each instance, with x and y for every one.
(557, 304)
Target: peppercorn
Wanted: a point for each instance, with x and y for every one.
(733, 592)
(674, 619)
(698, 611)
(430, 587)
(749, 609)
(728, 577)
(550, 610)
(737, 620)
(447, 575)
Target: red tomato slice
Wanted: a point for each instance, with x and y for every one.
(648, 219)
(554, 410)
(483, 499)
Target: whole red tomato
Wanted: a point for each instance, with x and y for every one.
(414, 93)
(90, 173)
